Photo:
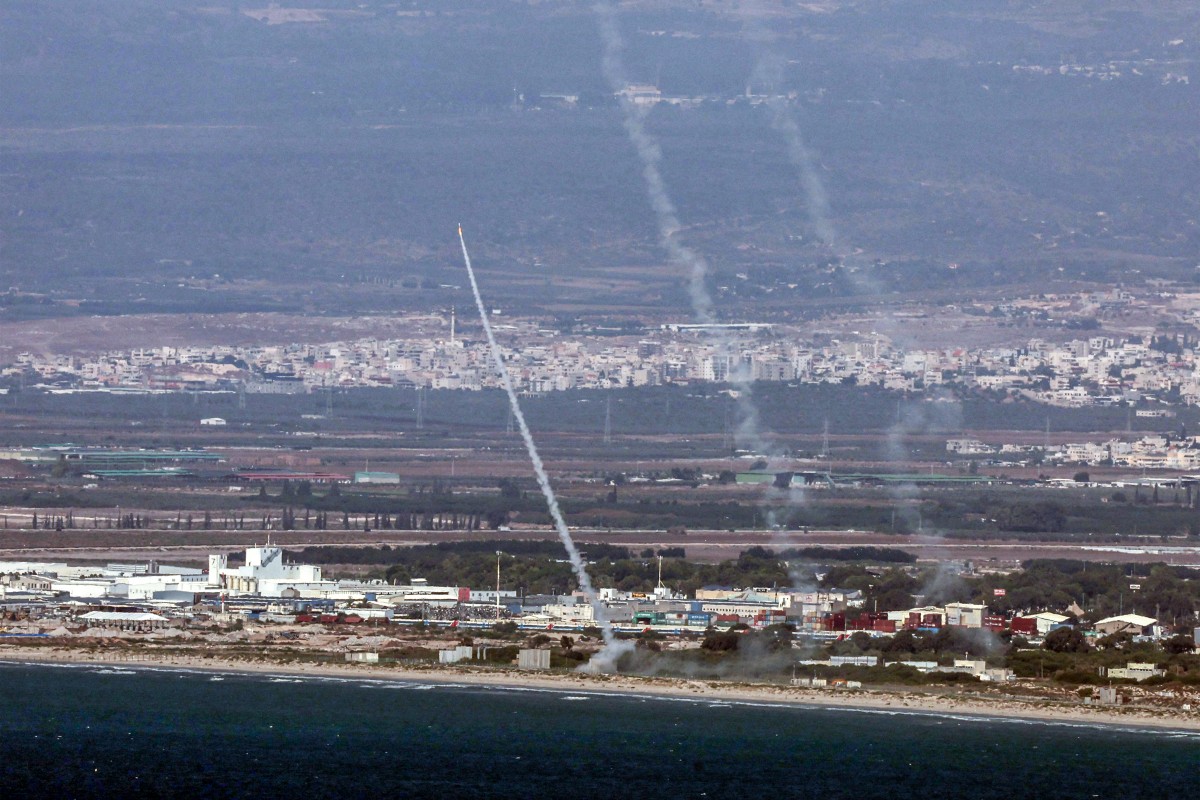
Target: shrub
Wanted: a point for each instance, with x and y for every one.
(1077, 676)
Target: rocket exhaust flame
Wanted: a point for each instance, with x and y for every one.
(606, 659)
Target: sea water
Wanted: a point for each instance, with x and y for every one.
(82, 731)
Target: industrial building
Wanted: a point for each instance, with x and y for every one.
(1136, 624)
(265, 573)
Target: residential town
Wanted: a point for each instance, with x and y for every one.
(1154, 451)
(1149, 371)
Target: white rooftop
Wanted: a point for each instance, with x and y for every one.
(1132, 619)
(122, 616)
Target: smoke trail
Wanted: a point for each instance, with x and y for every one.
(769, 73)
(650, 155)
(749, 428)
(606, 659)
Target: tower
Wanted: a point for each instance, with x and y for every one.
(216, 563)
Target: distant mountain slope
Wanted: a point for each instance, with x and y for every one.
(318, 147)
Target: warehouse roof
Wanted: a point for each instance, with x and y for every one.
(1132, 619)
(122, 616)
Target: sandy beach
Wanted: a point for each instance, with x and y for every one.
(889, 700)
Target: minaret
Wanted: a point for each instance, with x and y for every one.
(451, 326)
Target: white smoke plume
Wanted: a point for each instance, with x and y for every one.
(606, 659)
(650, 155)
(749, 428)
(767, 79)
(768, 74)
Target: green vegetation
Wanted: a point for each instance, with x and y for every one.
(1102, 589)
(541, 566)
(691, 410)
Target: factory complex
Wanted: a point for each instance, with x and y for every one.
(266, 588)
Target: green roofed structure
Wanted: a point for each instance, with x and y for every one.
(377, 477)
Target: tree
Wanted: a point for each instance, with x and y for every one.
(906, 642)
(1178, 644)
(1082, 477)
(1041, 517)
(720, 642)
(1065, 640)
(1115, 641)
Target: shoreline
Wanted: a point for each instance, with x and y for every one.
(866, 699)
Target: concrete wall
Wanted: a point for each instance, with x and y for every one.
(533, 659)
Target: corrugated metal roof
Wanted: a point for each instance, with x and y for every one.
(1132, 619)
